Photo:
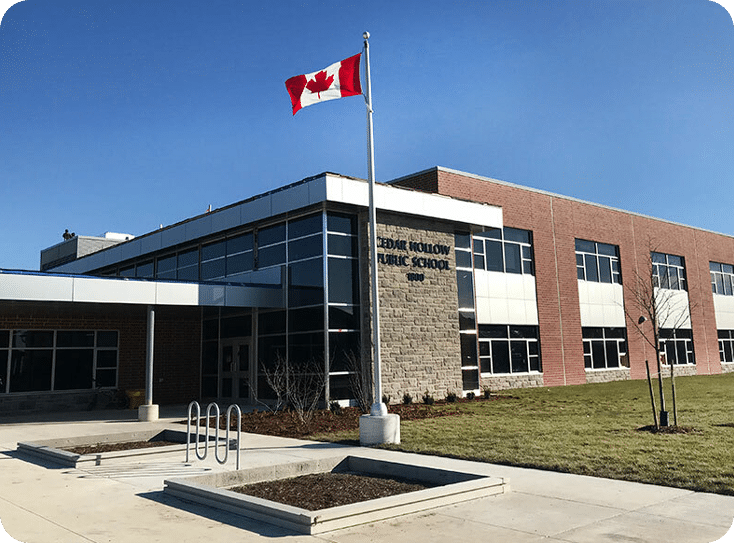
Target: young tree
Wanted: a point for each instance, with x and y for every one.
(660, 301)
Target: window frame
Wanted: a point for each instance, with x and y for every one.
(593, 254)
(55, 349)
(505, 337)
(507, 244)
(596, 337)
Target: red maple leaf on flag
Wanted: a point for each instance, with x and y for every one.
(320, 83)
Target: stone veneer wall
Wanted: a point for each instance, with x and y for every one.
(510, 381)
(419, 322)
(727, 367)
(681, 370)
(607, 376)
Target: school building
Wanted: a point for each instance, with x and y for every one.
(482, 283)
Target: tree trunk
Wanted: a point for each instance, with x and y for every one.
(652, 396)
(672, 387)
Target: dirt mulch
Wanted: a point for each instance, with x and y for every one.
(110, 447)
(285, 423)
(324, 490)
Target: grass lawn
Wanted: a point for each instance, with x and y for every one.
(592, 430)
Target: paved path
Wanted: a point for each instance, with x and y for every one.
(123, 500)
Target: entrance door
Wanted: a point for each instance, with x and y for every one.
(234, 370)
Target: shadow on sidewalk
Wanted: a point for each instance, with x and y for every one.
(231, 519)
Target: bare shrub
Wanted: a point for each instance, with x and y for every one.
(360, 382)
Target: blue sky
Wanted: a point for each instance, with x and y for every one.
(124, 115)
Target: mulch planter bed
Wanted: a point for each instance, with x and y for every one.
(110, 447)
(324, 490)
(285, 424)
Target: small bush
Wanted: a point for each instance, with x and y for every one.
(407, 399)
(386, 399)
(470, 395)
(428, 399)
(335, 407)
(451, 397)
(487, 393)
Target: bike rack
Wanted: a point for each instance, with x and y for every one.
(209, 408)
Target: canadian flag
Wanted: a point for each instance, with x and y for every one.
(337, 81)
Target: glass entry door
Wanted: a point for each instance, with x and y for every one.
(234, 370)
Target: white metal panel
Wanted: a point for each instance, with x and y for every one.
(151, 242)
(613, 316)
(516, 310)
(177, 293)
(36, 287)
(98, 290)
(199, 227)
(348, 192)
(515, 287)
(173, 235)
(482, 311)
(497, 284)
(724, 310)
(482, 284)
(531, 312)
(673, 308)
(601, 304)
(389, 199)
(256, 210)
(499, 312)
(226, 218)
(212, 294)
(587, 315)
(129, 250)
(317, 190)
(506, 298)
(290, 199)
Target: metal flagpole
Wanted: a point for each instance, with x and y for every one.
(378, 407)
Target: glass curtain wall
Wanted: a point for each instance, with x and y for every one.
(467, 313)
(320, 329)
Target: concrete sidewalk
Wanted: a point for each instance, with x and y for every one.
(124, 501)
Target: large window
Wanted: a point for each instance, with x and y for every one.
(722, 278)
(668, 271)
(597, 262)
(509, 349)
(677, 346)
(507, 250)
(605, 348)
(467, 314)
(45, 360)
(726, 345)
(343, 303)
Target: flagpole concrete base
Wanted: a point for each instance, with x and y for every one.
(378, 429)
(148, 413)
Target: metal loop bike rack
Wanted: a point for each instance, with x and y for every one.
(212, 406)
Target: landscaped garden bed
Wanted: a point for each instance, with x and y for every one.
(311, 490)
(601, 430)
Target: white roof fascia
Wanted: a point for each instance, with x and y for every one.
(327, 187)
(56, 288)
(411, 202)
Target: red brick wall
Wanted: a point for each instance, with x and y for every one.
(176, 366)
(556, 222)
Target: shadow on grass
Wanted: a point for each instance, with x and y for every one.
(670, 430)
